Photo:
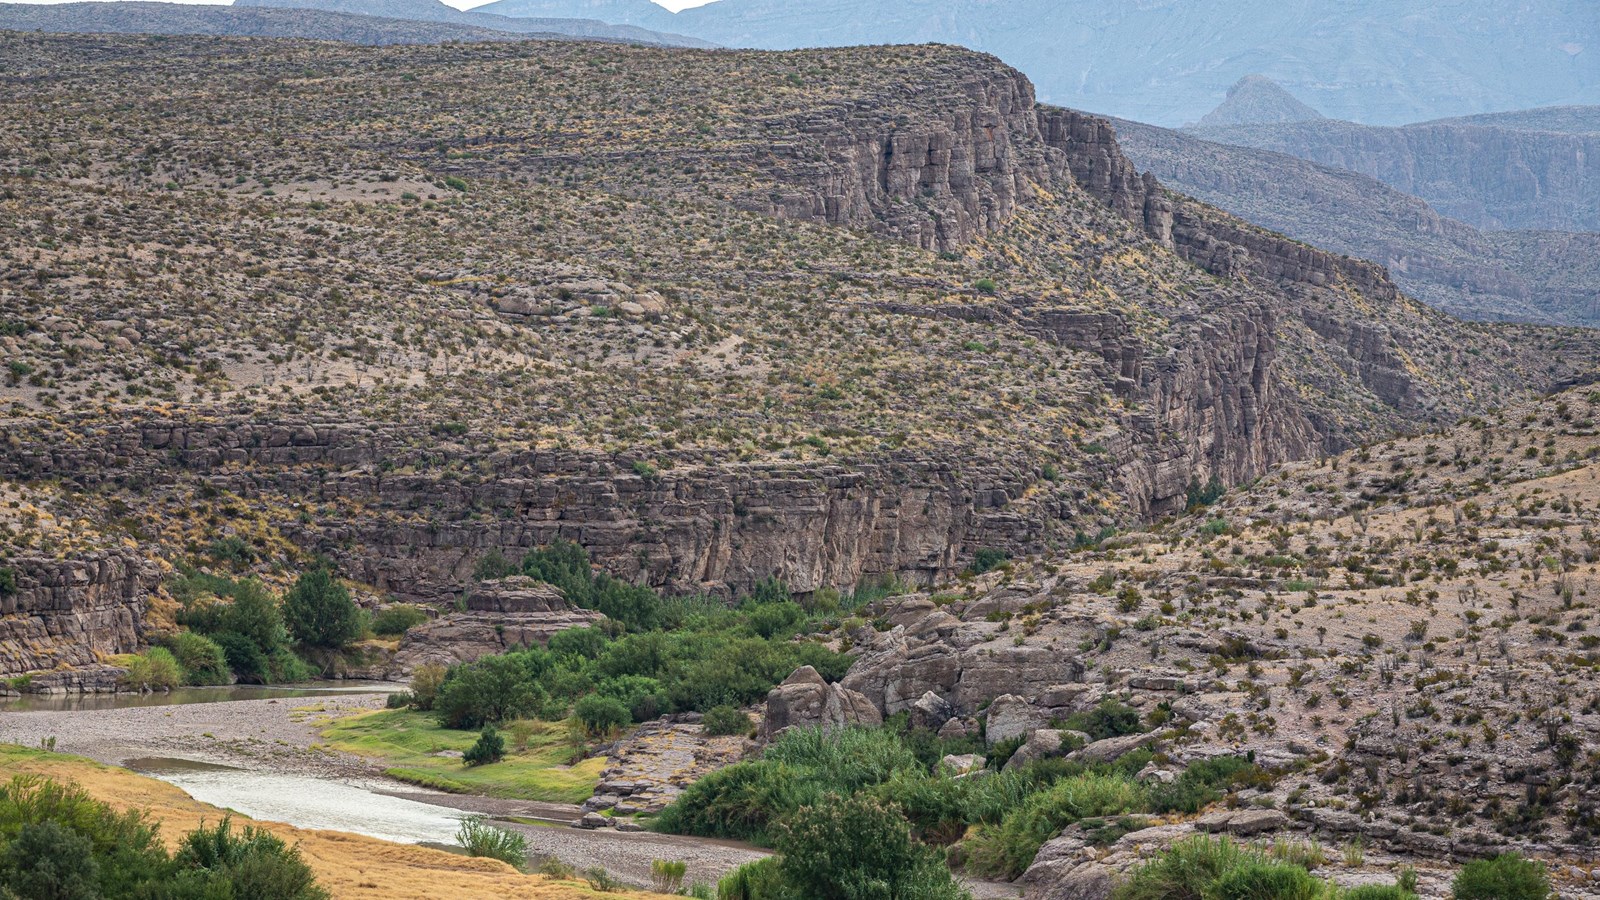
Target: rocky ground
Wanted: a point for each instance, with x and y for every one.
(1401, 633)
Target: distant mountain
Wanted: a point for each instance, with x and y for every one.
(187, 18)
(1258, 100)
(1170, 61)
(1491, 177)
(1532, 276)
(436, 11)
(1559, 119)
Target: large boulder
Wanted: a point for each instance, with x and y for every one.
(806, 700)
(931, 712)
(1011, 716)
(1044, 743)
(1114, 748)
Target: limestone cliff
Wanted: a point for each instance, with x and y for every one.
(67, 615)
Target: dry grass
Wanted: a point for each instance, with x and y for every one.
(349, 865)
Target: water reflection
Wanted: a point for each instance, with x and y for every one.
(181, 696)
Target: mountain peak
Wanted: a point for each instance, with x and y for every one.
(1258, 100)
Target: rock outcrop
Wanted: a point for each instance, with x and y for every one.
(501, 615)
(806, 700)
(71, 613)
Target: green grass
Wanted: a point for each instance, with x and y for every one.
(405, 742)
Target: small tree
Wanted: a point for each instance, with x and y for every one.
(601, 714)
(860, 847)
(319, 612)
(490, 748)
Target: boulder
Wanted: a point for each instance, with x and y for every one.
(963, 764)
(1046, 742)
(806, 700)
(931, 712)
(1011, 716)
(1114, 748)
(1243, 822)
(958, 728)
(1090, 881)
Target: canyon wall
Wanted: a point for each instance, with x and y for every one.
(65, 615)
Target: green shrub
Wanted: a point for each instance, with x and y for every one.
(489, 748)
(725, 720)
(1506, 877)
(987, 559)
(318, 611)
(392, 621)
(1108, 720)
(1008, 849)
(155, 669)
(216, 862)
(8, 582)
(1265, 881)
(600, 715)
(666, 876)
(202, 658)
(426, 682)
(46, 860)
(1185, 871)
(1200, 785)
(1378, 892)
(849, 847)
(479, 838)
(759, 880)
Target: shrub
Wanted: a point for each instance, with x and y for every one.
(426, 682)
(318, 611)
(859, 847)
(1265, 881)
(601, 880)
(1008, 850)
(724, 720)
(759, 880)
(216, 862)
(479, 838)
(392, 621)
(489, 748)
(666, 876)
(8, 582)
(1378, 892)
(47, 860)
(400, 700)
(1109, 719)
(1506, 877)
(153, 670)
(600, 715)
(202, 658)
(987, 559)
(1185, 870)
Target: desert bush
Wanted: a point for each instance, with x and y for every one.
(46, 860)
(1109, 719)
(155, 669)
(201, 658)
(725, 720)
(1265, 881)
(600, 715)
(489, 748)
(218, 862)
(426, 682)
(392, 621)
(1009, 848)
(1378, 892)
(1185, 871)
(666, 876)
(1506, 877)
(759, 880)
(850, 847)
(479, 838)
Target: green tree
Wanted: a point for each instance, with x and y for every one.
(860, 847)
(46, 861)
(492, 690)
(490, 748)
(319, 612)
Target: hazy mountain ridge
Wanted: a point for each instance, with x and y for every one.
(139, 17)
(437, 11)
(1491, 177)
(1526, 276)
(1170, 61)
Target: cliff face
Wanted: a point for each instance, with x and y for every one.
(1491, 177)
(70, 613)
